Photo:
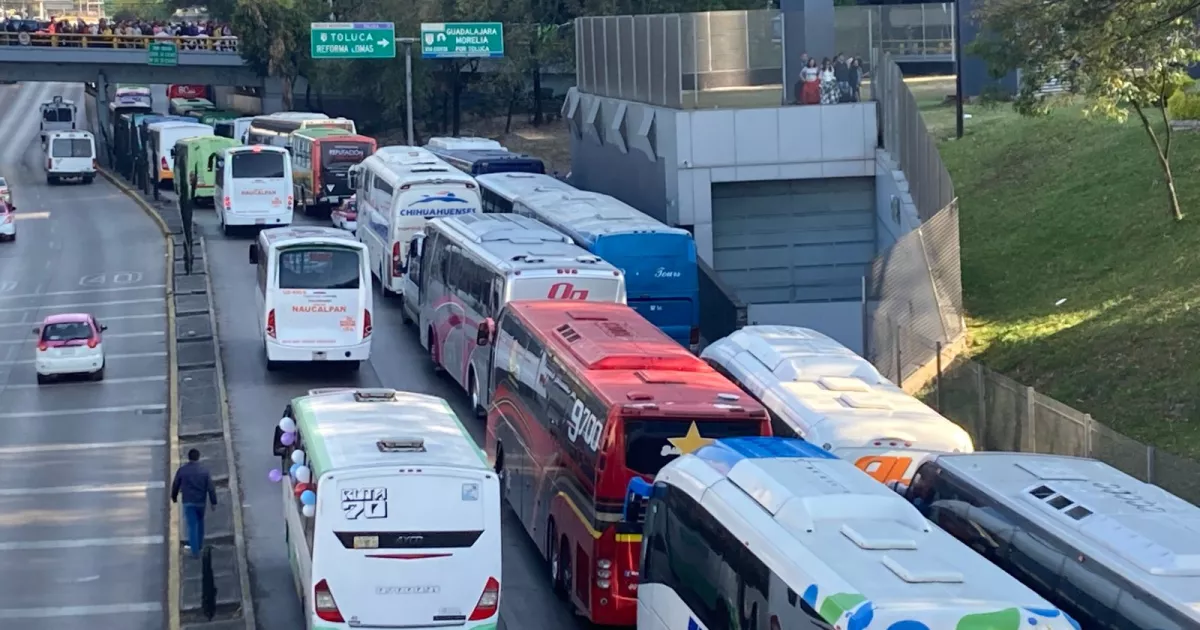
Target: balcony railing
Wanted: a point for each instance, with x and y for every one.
(216, 45)
(735, 58)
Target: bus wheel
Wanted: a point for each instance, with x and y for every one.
(473, 390)
(435, 352)
(561, 567)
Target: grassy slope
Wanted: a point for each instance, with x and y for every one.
(1067, 208)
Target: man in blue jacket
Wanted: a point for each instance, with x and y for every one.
(194, 482)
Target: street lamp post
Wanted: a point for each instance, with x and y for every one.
(408, 85)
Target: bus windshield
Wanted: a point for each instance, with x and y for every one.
(58, 114)
(510, 165)
(340, 156)
(260, 165)
(650, 443)
(310, 267)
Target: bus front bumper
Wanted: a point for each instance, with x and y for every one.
(330, 354)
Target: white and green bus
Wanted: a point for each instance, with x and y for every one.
(405, 529)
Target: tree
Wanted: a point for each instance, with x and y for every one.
(1121, 55)
(273, 38)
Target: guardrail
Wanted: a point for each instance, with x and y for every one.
(217, 45)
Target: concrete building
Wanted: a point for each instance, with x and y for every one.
(683, 116)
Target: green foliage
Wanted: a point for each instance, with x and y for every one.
(1184, 106)
(1122, 55)
(122, 10)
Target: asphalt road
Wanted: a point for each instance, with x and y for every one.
(257, 399)
(82, 464)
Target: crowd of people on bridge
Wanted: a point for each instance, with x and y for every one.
(832, 81)
(195, 35)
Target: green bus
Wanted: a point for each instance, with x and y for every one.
(181, 106)
(195, 167)
(211, 116)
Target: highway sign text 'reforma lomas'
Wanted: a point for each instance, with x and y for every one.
(462, 39)
(353, 40)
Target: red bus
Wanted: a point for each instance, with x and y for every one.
(180, 90)
(586, 397)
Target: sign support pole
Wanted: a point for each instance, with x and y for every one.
(408, 85)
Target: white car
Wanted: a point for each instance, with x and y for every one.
(69, 343)
(8, 223)
(345, 216)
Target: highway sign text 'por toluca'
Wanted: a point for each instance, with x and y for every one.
(451, 40)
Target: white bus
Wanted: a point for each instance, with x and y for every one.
(253, 187)
(1110, 550)
(819, 390)
(276, 129)
(471, 266)
(405, 530)
(773, 533)
(399, 188)
(500, 191)
(314, 296)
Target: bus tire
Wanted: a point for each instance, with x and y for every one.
(560, 566)
(435, 352)
(353, 366)
(473, 392)
(51, 180)
(89, 179)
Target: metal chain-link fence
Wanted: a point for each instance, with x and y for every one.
(1004, 415)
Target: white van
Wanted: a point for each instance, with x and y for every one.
(70, 155)
(314, 296)
(58, 115)
(405, 530)
(162, 138)
(234, 129)
(399, 188)
(819, 390)
(253, 187)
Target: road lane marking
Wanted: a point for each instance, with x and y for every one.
(64, 307)
(83, 412)
(36, 545)
(107, 319)
(112, 487)
(107, 357)
(109, 381)
(80, 611)
(25, 216)
(26, 296)
(79, 446)
(146, 333)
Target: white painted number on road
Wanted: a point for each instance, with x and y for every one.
(119, 278)
(8, 286)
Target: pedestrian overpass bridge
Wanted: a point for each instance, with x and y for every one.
(71, 58)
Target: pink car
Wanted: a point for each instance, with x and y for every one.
(345, 216)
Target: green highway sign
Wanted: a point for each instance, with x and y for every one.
(462, 39)
(353, 40)
(162, 54)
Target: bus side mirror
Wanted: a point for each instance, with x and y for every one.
(172, 153)
(352, 179)
(277, 447)
(212, 159)
(253, 253)
(487, 330)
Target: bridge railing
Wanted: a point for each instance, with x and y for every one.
(227, 45)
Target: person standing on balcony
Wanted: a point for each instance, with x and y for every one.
(841, 72)
(810, 87)
(829, 86)
(856, 79)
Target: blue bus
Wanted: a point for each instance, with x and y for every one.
(480, 156)
(659, 261)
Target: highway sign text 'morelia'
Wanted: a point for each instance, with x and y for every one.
(353, 40)
(462, 39)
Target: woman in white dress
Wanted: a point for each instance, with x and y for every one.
(829, 86)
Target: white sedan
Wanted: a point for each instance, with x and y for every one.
(69, 343)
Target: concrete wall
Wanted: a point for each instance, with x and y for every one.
(896, 212)
(664, 161)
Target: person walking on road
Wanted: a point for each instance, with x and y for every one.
(195, 483)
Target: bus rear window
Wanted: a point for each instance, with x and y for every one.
(60, 114)
(319, 268)
(345, 125)
(649, 446)
(483, 167)
(343, 155)
(71, 148)
(250, 165)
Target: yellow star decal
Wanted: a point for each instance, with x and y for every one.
(690, 442)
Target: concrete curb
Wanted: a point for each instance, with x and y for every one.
(174, 578)
(235, 490)
(172, 400)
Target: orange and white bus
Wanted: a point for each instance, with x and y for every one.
(587, 397)
(819, 390)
